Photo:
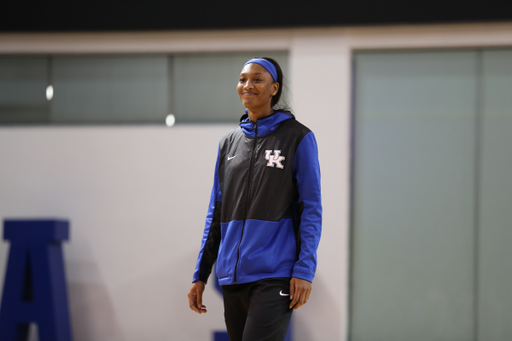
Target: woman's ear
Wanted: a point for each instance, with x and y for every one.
(275, 87)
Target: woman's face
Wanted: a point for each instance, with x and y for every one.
(256, 87)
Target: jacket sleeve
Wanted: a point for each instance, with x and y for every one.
(306, 169)
(211, 236)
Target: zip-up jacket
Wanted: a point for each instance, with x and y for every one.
(265, 214)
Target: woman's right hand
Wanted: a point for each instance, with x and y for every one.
(195, 297)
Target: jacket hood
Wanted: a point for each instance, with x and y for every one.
(265, 125)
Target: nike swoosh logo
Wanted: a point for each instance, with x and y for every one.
(283, 294)
(231, 157)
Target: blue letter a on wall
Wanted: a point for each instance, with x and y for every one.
(35, 286)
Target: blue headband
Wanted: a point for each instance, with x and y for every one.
(266, 64)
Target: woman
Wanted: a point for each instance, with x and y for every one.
(264, 220)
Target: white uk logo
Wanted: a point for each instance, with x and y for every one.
(274, 160)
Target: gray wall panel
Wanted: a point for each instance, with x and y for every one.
(205, 85)
(495, 247)
(23, 83)
(413, 229)
(110, 89)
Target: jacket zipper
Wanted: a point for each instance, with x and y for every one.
(249, 180)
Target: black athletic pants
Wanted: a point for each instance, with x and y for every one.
(257, 311)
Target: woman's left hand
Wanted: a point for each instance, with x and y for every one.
(299, 292)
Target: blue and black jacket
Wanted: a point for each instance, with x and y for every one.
(265, 213)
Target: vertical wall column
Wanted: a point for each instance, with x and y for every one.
(320, 73)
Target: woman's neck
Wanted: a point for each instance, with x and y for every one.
(256, 114)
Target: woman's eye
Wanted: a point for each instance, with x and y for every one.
(241, 80)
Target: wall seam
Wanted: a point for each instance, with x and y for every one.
(476, 210)
(352, 125)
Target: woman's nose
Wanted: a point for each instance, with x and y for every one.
(248, 84)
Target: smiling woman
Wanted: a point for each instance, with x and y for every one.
(265, 215)
(257, 88)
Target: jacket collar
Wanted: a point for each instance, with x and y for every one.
(266, 125)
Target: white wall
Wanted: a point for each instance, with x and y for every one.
(136, 199)
(137, 196)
